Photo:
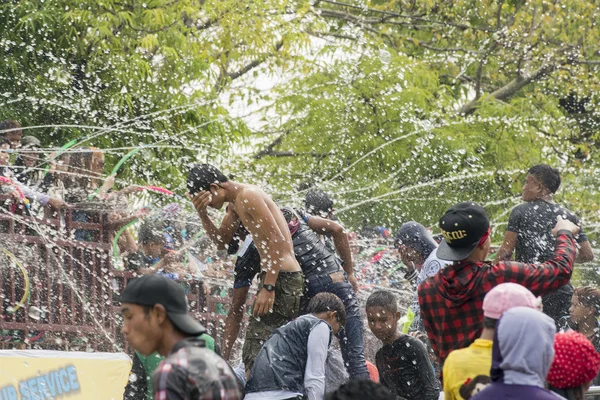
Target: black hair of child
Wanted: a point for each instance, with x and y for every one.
(548, 176)
(325, 302)
(359, 390)
(318, 202)
(201, 176)
(384, 299)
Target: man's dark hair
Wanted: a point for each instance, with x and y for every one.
(201, 176)
(9, 124)
(318, 202)
(548, 176)
(325, 302)
(147, 310)
(489, 323)
(360, 390)
(384, 299)
(150, 233)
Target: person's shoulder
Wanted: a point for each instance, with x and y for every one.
(526, 205)
(410, 341)
(251, 192)
(171, 369)
(433, 264)
(560, 209)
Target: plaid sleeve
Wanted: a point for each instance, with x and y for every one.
(426, 316)
(544, 278)
(169, 382)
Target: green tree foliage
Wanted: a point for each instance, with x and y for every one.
(438, 102)
(399, 108)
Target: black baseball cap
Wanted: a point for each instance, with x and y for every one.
(155, 289)
(463, 226)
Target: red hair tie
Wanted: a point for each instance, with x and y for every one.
(485, 236)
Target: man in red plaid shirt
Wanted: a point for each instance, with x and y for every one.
(451, 301)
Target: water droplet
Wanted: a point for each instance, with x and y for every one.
(35, 313)
(385, 56)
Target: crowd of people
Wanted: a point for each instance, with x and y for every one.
(479, 325)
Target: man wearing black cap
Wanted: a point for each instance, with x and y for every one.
(156, 319)
(451, 302)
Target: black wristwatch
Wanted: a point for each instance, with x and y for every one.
(269, 288)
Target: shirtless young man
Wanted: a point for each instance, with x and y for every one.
(282, 283)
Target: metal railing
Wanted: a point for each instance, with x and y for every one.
(62, 291)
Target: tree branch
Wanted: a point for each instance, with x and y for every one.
(389, 14)
(250, 66)
(511, 87)
(269, 149)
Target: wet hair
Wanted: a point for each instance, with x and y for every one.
(201, 176)
(359, 390)
(318, 202)
(325, 302)
(9, 124)
(384, 299)
(150, 233)
(466, 389)
(548, 176)
(589, 296)
(489, 323)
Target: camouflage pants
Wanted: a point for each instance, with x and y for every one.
(286, 306)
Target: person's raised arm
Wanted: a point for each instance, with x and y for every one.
(507, 248)
(222, 235)
(340, 240)
(314, 374)
(585, 253)
(544, 278)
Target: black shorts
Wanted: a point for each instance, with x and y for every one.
(246, 267)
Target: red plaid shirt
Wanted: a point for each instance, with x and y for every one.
(451, 302)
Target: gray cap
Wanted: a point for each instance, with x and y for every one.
(30, 141)
(417, 237)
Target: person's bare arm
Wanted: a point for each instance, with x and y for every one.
(233, 322)
(222, 235)
(130, 243)
(274, 244)
(505, 251)
(109, 182)
(340, 240)
(585, 253)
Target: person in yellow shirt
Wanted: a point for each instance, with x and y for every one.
(476, 359)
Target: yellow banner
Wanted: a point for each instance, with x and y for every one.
(45, 374)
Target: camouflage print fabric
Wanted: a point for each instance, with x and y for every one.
(288, 293)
